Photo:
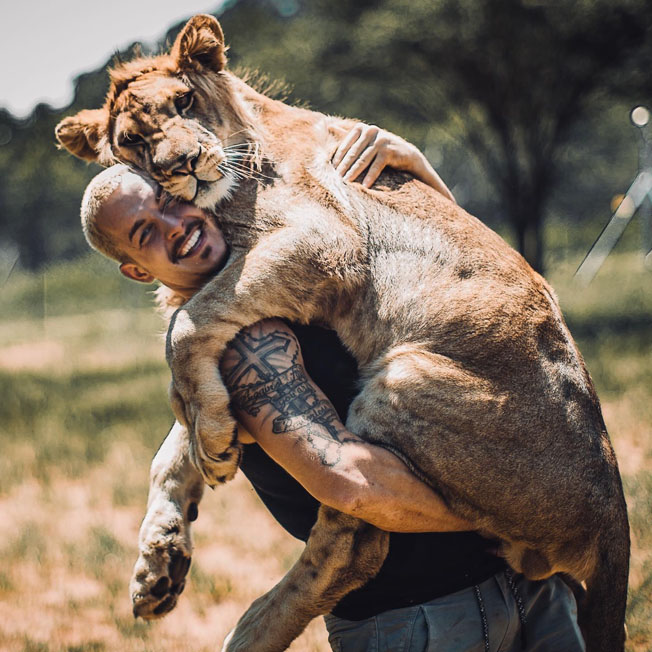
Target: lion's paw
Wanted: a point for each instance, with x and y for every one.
(153, 599)
(160, 572)
(214, 447)
(216, 467)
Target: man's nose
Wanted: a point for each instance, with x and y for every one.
(174, 226)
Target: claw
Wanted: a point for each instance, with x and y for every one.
(193, 512)
(179, 566)
(160, 588)
(162, 597)
(166, 605)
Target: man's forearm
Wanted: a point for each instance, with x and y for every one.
(362, 480)
(379, 488)
(295, 423)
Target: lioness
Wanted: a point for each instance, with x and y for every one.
(469, 372)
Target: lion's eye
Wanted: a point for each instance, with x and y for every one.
(184, 102)
(130, 140)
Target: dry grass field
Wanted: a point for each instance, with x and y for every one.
(84, 407)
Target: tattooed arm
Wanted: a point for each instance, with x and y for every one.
(295, 423)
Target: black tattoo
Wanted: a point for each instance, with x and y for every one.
(254, 354)
(265, 372)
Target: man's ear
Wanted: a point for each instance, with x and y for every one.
(200, 44)
(136, 273)
(84, 134)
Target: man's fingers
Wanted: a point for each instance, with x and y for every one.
(367, 136)
(344, 146)
(374, 172)
(355, 152)
(361, 164)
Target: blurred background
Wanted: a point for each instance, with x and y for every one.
(523, 106)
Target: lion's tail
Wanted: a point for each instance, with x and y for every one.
(602, 610)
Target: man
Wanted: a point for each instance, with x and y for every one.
(441, 589)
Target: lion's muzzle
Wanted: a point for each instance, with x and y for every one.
(208, 163)
(184, 176)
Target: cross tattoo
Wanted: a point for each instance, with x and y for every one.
(285, 387)
(253, 356)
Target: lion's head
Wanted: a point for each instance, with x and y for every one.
(176, 117)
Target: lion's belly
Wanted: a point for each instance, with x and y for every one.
(503, 366)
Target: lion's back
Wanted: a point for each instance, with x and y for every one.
(437, 273)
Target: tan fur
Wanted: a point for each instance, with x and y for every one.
(469, 372)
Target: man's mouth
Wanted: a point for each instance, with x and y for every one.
(192, 243)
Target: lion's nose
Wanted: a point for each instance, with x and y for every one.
(184, 164)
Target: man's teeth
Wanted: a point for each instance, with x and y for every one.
(190, 243)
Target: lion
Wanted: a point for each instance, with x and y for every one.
(469, 373)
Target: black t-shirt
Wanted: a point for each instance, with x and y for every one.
(419, 567)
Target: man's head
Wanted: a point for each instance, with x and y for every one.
(125, 218)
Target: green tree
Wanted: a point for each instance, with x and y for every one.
(511, 78)
(511, 81)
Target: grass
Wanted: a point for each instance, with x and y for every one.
(84, 385)
(612, 323)
(85, 406)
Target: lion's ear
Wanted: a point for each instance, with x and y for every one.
(84, 133)
(200, 45)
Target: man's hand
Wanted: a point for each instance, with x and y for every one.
(296, 425)
(370, 148)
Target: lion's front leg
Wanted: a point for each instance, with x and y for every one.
(164, 542)
(200, 401)
(198, 396)
(269, 281)
(341, 554)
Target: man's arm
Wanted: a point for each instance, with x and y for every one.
(295, 423)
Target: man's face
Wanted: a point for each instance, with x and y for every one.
(176, 244)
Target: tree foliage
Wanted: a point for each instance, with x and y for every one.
(511, 83)
(510, 78)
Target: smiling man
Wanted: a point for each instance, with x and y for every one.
(154, 238)
(440, 587)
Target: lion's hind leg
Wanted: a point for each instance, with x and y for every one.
(430, 411)
(341, 554)
(499, 456)
(460, 432)
(469, 438)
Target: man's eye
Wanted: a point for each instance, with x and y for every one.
(131, 140)
(144, 234)
(183, 102)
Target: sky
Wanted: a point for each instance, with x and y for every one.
(45, 44)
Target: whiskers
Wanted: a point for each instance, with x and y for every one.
(243, 161)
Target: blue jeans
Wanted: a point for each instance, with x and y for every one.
(454, 623)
